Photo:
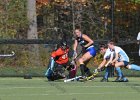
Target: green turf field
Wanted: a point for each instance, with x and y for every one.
(40, 89)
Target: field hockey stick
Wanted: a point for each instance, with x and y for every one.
(78, 55)
(89, 77)
(73, 62)
(95, 73)
(72, 79)
(75, 59)
(8, 55)
(71, 67)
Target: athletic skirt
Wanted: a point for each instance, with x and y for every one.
(91, 50)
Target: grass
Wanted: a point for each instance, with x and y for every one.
(41, 89)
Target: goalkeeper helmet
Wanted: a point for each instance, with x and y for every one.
(63, 45)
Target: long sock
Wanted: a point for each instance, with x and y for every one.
(119, 72)
(82, 67)
(107, 73)
(123, 77)
(134, 67)
(87, 71)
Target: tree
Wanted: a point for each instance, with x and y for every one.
(32, 31)
(31, 14)
(13, 19)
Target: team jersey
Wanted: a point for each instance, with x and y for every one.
(122, 55)
(108, 54)
(138, 37)
(61, 56)
(82, 42)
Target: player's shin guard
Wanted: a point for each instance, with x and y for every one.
(82, 67)
(119, 72)
(107, 73)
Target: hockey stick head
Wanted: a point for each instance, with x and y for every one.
(13, 53)
(8, 55)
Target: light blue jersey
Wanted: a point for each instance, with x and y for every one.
(122, 55)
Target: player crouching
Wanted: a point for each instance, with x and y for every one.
(59, 63)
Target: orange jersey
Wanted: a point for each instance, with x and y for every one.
(61, 55)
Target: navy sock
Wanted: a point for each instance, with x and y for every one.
(87, 71)
(82, 68)
(107, 73)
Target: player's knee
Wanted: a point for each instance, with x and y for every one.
(128, 66)
(80, 60)
(116, 65)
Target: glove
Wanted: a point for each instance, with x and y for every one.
(97, 70)
(74, 54)
(103, 68)
(107, 65)
(72, 62)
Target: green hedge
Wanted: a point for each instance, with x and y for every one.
(40, 71)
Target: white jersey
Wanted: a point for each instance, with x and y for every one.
(108, 54)
(138, 37)
(122, 55)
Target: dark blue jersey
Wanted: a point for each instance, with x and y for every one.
(82, 42)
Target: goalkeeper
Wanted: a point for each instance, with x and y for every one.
(59, 63)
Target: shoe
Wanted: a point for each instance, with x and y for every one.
(91, 78)
(104, 80)
(125, 79)
(83, 77)
(119, 79)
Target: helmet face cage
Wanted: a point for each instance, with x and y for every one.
(64, 45)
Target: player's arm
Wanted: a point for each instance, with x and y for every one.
(138, 38)
(116, 57)
(138, 42)
(56, 53)
(75, 49)
(75, 45)
(102, 64)
(89, 40)
(100, 67)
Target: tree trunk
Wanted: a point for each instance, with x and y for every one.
(32, 32)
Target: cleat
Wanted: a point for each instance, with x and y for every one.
(118, 79)
(104, 80)
(91, 78)
(121, 79)
(124, 79)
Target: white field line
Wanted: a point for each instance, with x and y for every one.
(100, 93)
(43, 87)
(60, 94)
(21, 78)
